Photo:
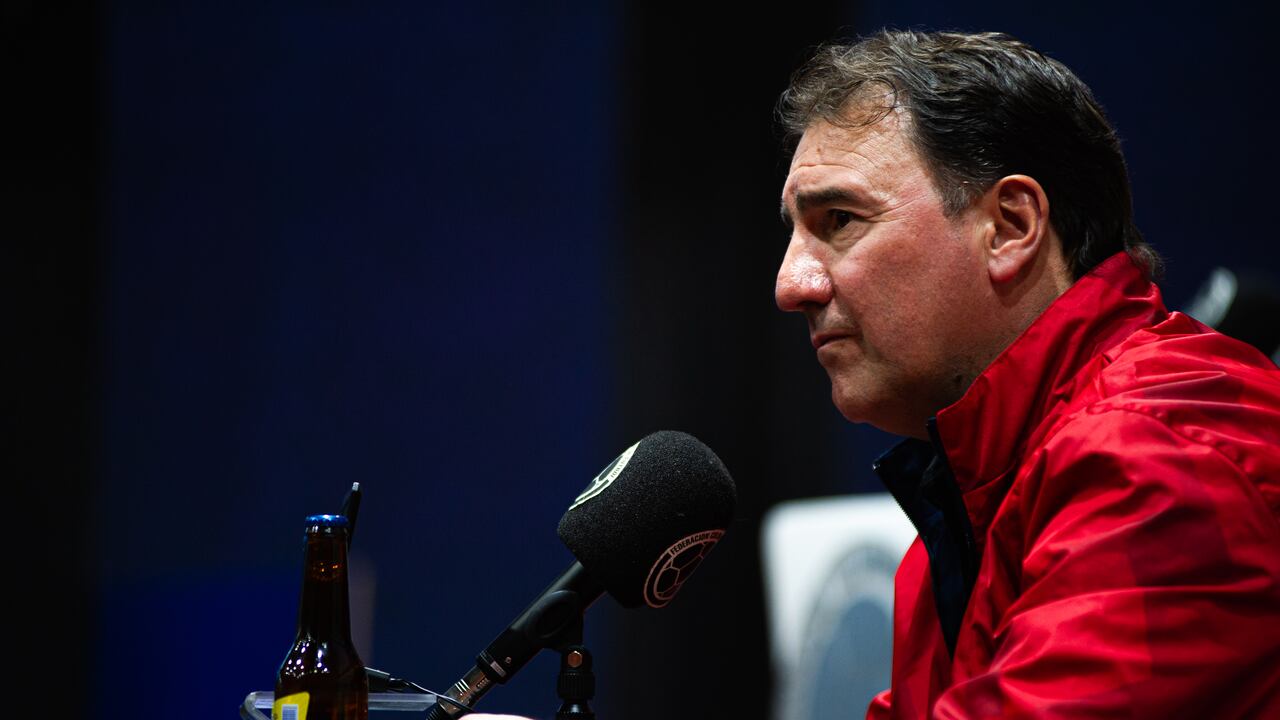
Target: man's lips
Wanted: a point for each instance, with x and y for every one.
(822, 338)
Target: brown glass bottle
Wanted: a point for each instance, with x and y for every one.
(322, 677)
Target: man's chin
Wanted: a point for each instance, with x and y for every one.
(855, 408)
(882, 414)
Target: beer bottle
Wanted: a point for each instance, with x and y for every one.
(322, 677)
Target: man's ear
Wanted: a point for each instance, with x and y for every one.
(1018, 210)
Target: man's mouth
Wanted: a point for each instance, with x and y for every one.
(822, 338)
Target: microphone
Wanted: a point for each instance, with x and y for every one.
(638, 531)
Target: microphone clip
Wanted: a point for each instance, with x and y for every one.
(553, 622)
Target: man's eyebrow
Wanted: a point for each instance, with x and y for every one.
(820, 198)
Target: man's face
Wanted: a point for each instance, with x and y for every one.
(888, 283)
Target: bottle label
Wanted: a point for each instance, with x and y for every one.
(291, 707)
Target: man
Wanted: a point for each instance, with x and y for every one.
(1095, 481)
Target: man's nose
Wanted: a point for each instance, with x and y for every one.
(802, 279)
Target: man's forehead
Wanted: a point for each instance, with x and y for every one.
(824, 141)
(872, 157)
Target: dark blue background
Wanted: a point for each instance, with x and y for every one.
(345, 243)
(464, 254)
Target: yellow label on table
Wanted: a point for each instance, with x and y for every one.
(291, 707)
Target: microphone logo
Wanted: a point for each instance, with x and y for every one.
(675, 566)
(606, 477)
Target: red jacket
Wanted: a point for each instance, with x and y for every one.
(1099, 524)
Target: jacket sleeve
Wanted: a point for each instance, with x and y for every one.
(1149, 583)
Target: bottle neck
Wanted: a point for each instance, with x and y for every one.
(323, 613)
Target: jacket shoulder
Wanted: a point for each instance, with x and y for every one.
(1203, 387)
(1198, 463)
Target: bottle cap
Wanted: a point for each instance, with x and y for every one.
(327, 521)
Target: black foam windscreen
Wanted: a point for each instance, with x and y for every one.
(645, 523)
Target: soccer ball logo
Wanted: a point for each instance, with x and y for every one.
(675, 566)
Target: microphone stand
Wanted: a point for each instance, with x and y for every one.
(576, 683)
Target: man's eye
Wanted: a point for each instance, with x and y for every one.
(840, 218)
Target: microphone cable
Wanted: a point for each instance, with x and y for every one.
(382, 681)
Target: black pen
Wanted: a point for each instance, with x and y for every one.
(351, 508)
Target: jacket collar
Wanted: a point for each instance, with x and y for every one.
(945, 486)
(986, 432)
